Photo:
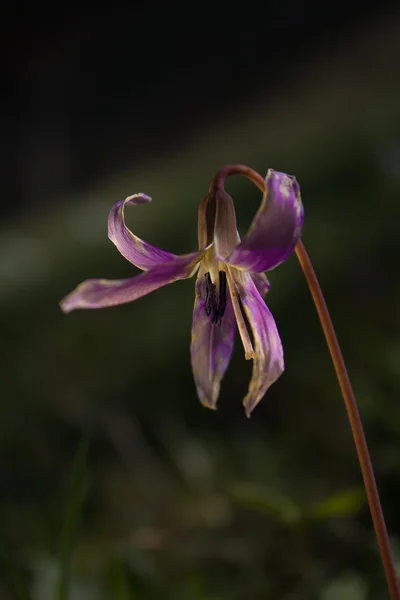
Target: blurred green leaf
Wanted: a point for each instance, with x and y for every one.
(269, 501)
(342, 504)
(118, 582)
(348, 586)
(14, 574)
(76, 494)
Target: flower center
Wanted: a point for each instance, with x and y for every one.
(215, 301)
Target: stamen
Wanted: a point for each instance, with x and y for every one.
(222, 295)
(215, 304)
(208, 292)
(243, 331)
(211, 298)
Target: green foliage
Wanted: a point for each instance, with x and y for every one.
(76, 493)
(345, 503)
(269, 501)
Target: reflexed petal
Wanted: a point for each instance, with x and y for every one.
(138, 252)
(262, 283)
(268, 362)
(226, 236)
(206, 220)
(275, 229)
(99, 293)
(211, 347)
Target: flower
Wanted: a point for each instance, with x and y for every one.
(230, 285)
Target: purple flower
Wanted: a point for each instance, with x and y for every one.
(230, 285)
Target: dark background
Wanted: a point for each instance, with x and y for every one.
(115, 482)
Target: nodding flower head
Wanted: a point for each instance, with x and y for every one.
(230, 286)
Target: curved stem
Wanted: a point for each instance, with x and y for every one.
(355, 422)
(345, 386)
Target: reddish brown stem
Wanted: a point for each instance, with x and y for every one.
(345, 386)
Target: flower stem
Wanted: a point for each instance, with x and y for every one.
(345, 386)
(355, 422)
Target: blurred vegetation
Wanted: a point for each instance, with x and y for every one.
(116, 483)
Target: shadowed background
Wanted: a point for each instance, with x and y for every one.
(115, 482)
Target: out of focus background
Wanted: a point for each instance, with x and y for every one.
(115, 482)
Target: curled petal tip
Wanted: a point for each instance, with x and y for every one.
(64, 306)
(136, 199)
(249, 405)
(71, 302)
(80, 296)
(207, 404)
(247, 412)
(137, 251)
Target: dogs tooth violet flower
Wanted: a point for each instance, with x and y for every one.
(230, 286)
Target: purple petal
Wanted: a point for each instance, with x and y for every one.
(262, 283)
(211, 347)
(275, 229)
(268, 362)
(99, 293)
(138, 252)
